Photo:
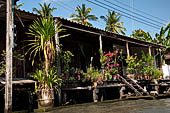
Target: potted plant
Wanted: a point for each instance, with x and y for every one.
(46, 87)
(156, 73)
(109, 62)
(132, 66)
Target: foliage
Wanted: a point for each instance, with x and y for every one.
(16, 55)
(110, 62)
(163, 38)
(113, 24)
(66, 60)
(133, 64)
(83, 15)
(148, 67)
(41, 40)
(141, 35)
(47, 82)
(45, 10)
(93, 74)
(156, 73)
(19, 5)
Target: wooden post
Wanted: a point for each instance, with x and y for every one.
(127, 49)
(58, 58)
(150, 53)
(100, 41)
(9, 45)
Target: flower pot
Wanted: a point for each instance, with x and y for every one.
(46, 98)
(94, 84)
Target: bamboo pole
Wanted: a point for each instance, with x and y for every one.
(9, 45)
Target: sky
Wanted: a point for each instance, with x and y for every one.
(155, 8)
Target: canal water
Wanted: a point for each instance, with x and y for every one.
(128, 106)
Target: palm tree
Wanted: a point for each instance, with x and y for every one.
(45, 10)
(112, 23)
(83, 15)
(141, 35)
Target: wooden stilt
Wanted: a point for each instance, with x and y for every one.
(9, 45)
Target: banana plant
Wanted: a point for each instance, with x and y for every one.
(163, 38)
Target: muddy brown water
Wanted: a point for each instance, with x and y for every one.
(128, 106)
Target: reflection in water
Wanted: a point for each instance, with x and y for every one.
(129, 106)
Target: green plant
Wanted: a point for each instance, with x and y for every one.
(110, 62)
(47, 82)
(83, 15)
(113, 24)
(133, 64)
(148, 67)
(156, 73)
(66, 60)
(45, 10)
(16, 55)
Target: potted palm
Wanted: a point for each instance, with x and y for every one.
(42, 44)
(46, 86)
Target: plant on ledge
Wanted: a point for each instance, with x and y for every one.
(110, 63)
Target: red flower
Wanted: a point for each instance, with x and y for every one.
(109, 54)
(116, 52)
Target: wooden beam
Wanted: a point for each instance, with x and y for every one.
(9, 45)
(127, 49)
(58, 58)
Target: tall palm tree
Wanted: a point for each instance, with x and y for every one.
(83, 15)
(45, 10)
(112, 22)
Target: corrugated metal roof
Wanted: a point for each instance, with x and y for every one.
(61, 18)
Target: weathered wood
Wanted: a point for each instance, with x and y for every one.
(57, 49)
(127, 48)
(150, 52)
(95, 94)
(100, 41)
(9, 45)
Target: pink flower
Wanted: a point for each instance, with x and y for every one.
(104, 52)
(117, 64)
(110, 70)
(108, 65)
(107, 60)
(116, 52)
(114, 64)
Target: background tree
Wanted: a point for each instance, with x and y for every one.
(83, 15)
(163, 38)
(112, 23)
(141, 35)
(45, 10)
